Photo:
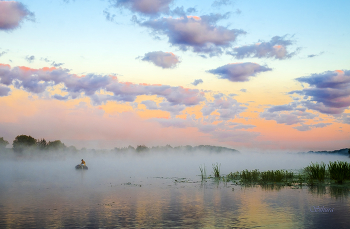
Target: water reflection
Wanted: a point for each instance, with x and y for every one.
(164, 204)
(335, 191)
(339, 192)
(271, 187)
(317, 190)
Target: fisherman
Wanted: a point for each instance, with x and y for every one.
(82, 162)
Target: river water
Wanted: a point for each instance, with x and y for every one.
(161, 190)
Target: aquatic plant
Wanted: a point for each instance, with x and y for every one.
(315, 172)
(300, 180)
(250, 175)
(232, 176)
(275, 176)
(339, 171)
(203, 172)
(289, 175)
(216, 168)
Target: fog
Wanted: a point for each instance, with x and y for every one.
(119, 167)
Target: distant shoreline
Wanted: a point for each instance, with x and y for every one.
(339, 152)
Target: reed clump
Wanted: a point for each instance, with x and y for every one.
(203, 172)
(232, 176)
(316, 172)
(250, 176)
(275, 176)
(267, 176)
(216, 168)
(339, 171)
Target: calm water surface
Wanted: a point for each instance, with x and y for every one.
(161, 191)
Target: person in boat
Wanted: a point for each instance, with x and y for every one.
(82, 162)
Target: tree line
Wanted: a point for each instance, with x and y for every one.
(187, 148)
(23, 142)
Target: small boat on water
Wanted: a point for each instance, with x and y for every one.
(80, 166)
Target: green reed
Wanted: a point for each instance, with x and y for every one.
(250, 176)
(339, 171)
(275, 176)
(203, 172)
(316, 172)
(232, 176)
(216, 168)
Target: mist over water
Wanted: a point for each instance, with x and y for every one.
(44, 189)
(117, 165)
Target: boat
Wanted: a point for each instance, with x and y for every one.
(80, 166)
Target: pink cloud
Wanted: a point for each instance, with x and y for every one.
(85, 126)
(38, 80)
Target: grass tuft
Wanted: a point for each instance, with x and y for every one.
(216, 168)
(203, 172)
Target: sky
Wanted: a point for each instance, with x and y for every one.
(244, 74)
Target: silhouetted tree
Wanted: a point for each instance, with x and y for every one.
(140, 148)
(56, 145)
(42, 144)
(23, 141)
(3, 143)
